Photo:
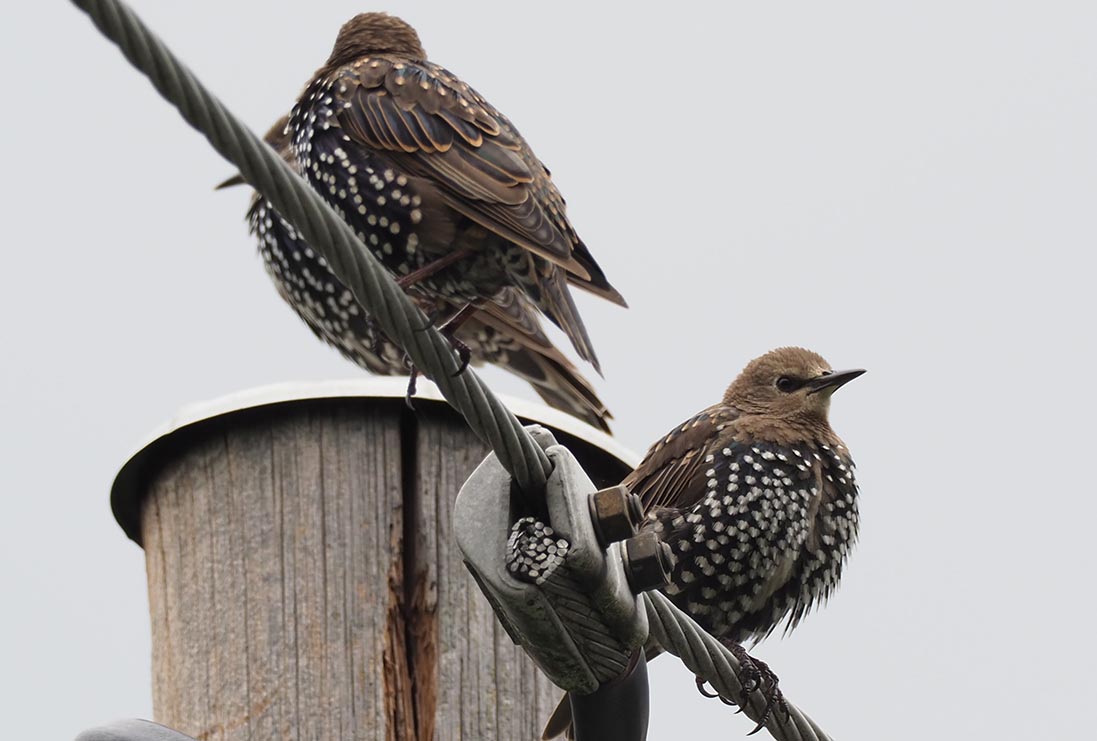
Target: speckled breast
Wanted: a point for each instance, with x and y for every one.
(767, 541)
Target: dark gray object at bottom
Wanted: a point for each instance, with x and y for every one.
(616, 711)
(133, 729)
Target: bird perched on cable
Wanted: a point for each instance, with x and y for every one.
(757, 500)
(436, 182)
(502, 331)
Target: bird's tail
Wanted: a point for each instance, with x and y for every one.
(561, 386)
(559, 306)
(522, 347)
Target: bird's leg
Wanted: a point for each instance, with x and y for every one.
(464, 354)
(433, 267)
(449, 331)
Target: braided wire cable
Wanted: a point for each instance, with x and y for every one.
(706, 657)
(402, 321)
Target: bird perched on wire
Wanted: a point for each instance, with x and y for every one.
(437, 183)
(757, 500)
(502, 331)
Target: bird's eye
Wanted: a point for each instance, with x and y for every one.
(788, 385)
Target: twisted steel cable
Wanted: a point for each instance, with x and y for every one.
(401, 320)
(706, 657)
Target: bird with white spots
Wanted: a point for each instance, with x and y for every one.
(756, 498)
(437, 183)
(504, 331)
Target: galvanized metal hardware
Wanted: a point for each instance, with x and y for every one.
(616, 514)
(574, 614)
(647, 562)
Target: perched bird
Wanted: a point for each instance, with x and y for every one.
(503, 331)
(436, 182)
(757, 500)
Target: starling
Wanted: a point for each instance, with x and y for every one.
(437, 183)
(503, 331)
(756, 498)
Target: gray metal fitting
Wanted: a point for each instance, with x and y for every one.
(616, 513)
(578, 619)
(647, 562)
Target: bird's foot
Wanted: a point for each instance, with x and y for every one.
(754, 674)
(759, 677)
(464, 354)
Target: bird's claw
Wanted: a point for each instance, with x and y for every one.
(759, 677)
(706, 693)
(755, 674)
(463, 354)
(714, 695)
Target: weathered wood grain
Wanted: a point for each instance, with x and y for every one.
(304, 584)
(485, 686)
(270, 541)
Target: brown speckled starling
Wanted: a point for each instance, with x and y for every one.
(756, 497)
(502, 331)
(436, 182)
(757, 500)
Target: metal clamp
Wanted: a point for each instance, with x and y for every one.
(558, 591)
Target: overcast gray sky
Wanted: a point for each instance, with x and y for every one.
(906, 187)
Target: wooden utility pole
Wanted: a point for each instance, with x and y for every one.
(303, 581)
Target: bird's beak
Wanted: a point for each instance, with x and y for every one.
(832, 381)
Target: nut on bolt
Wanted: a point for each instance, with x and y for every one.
(647, 562)
(616, 513)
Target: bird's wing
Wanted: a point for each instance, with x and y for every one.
(430, 124)
(672, 474)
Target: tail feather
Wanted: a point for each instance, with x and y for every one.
(608, 292)
(523, 348)
(559, 306)
(560, 385)
(597, 283)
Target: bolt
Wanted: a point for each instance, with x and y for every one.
(647, 562)
(615, 514)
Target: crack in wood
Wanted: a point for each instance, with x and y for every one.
(411, 664)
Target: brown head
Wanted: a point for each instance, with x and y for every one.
(375, 33)
(789, 383)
